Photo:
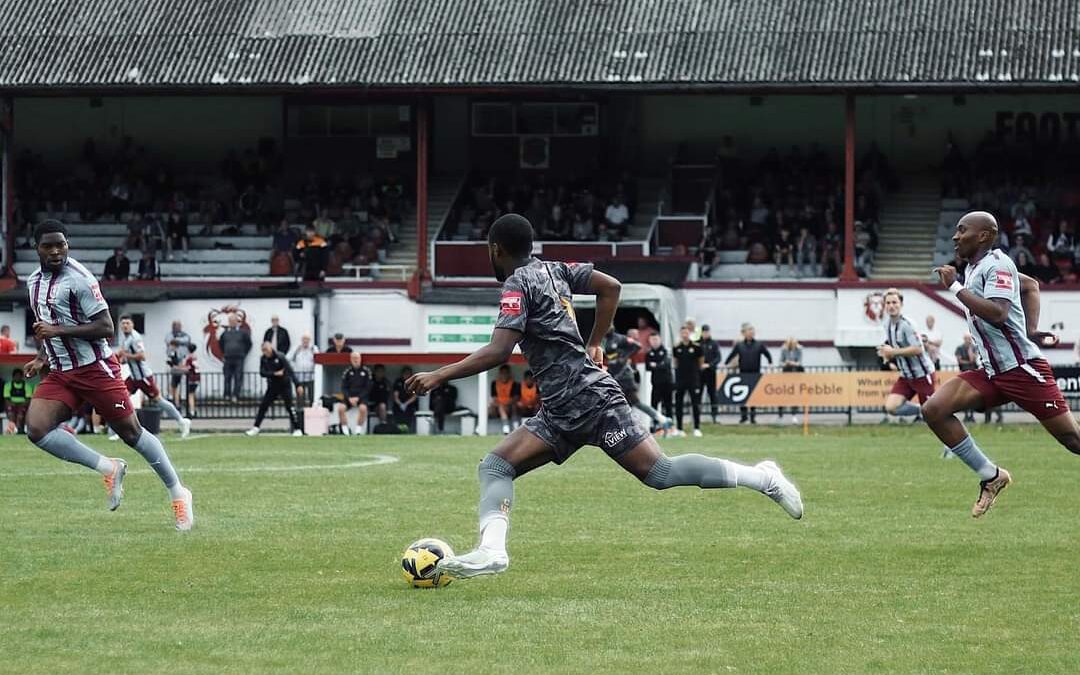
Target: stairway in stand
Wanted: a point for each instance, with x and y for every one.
(908, 230)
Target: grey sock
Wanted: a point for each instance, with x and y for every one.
(693, 469)
(908, 409)
(153, 452)
(63, 445)
(169, 409)
(971, 455)
(496, 488)
(652, 412)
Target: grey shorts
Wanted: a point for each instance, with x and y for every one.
(605, 420)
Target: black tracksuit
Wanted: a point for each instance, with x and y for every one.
(277, 386)
(710, 349)
(750, 353)
(687, 381)
(658, 362)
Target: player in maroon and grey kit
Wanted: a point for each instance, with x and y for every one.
(995, 296)
(72, 324)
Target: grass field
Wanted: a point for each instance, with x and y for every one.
(295, 570)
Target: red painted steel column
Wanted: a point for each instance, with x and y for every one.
(848, 273)
(422, 191)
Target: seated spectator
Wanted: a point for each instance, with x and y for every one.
(7, 345)
(617, 216)
(582, 229)
(379, 396)
(528, 403)
(310, 255)
(1023, 209)
(324, 226)
(405, 403)
(864, 252)
(284, 237)
(759, 213)
(443, 402)
(337, 345)
(757, 254)
(119, 197)
(1022, 228)
(177, 230)
(806, 251)
(784, 249)
(355, 389)
(148, 267)
(1060, 242)
(1021, 248)
(118, 267)
(505, 393)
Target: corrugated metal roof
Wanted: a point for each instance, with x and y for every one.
(388, 43)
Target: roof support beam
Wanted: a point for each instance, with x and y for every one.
(848, 273)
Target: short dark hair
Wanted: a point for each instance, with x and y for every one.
(126, 316)
(49, 226)
(513, 233)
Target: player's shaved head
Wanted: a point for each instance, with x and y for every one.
(976, 232)
(980, 220)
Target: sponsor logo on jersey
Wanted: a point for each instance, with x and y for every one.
(96, 291)
(613, 438)
(510, 303)
(1003, 280)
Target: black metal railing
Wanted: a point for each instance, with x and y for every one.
(211, 402)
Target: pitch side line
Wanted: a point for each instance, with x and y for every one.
(374, 460)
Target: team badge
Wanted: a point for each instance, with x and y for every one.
(1003, 280)
(510, 303)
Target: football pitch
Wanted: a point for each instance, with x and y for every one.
(293, 566)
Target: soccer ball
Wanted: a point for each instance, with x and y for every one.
(419, 560)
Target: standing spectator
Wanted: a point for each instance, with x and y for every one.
(710, 352)
(118, 267)
(379, 396)
(933, 339)
(658, 363)
(176, 350)
(748, 353)
(691, 325)
(303, 364)
(279, 382)
(310, 255)
(443, 402)
(337, 345)
(806, 252)
(17, 395)
(235, 344)
(7, 345)
(148, 267)
(277, 335)
(504, 395)
(355, 387)
(405, 403)
(689, 362)
(967, 358)
(190, 367)
(790, 362)
(528, 404)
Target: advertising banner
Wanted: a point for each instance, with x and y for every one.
(840, 389)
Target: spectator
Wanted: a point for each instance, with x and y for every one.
(303, 363)
(1023, 208)
(784, 249)
(7, 345)
(528, 403)
(177, 230)
(148, 267)
(967, 358)
(582, 229)
(285, 238)
(337, 345)
(790, 362)
(933, 340)
(118, 267)
(119, 197)
(443, 402)
(1060, 242)
(17, 395)
(864, 252)
(710, 352)
(310, 255)
(324, 226)
(235, 344)
(405, 403)
(806, 252)
(505, 393)
(176, 350)
(277, 335)
(832, 256)
(355, 388)
(279, 381)
(688, 366)
(658, 364)
(1044, 269)
(1020, 248)
(379, 396)
(748, 353)
(617, 216)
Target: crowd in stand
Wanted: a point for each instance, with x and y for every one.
(787, 210)
(346, 221)
(564, 210)
(1032, 190)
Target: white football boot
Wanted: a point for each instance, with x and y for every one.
(781, 490)
(185, 427)
(476, 563)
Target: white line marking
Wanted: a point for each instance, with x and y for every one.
(373, 460)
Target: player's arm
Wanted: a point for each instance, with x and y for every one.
(768, 355)
(992, 310)
(34, 366)
(1030, 299)
(607, 290)
(494, 353)
(100, 326)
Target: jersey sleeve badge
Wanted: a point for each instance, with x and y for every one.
(511, 303)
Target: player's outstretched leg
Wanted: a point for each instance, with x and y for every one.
(148, 445)
(655, 469)
(1065, 430)
(939, 413)
(898, 406)
(517, 454)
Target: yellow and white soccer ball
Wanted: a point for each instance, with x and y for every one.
(419, 560)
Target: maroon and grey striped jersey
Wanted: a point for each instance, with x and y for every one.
(69, 297)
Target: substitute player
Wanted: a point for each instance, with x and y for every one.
(72, 323)
(581, 403)
(904, 349)
(1013, 366)
(133, 352)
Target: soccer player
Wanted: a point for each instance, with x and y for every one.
(904, 349)
(72, 324)
(581, 403)
(619, 350)
(1007, 338)
(133, 352)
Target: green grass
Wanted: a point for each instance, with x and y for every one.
(297, 572)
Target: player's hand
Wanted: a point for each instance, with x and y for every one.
(596, 353)
(885, 352)
(44, 331)
(947, 273)
(1043, 338)
(422, 383)
(32, 368)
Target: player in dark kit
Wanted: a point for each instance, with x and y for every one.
(1003, 314)
(619, 349)
(72, 324)
(581, 403)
